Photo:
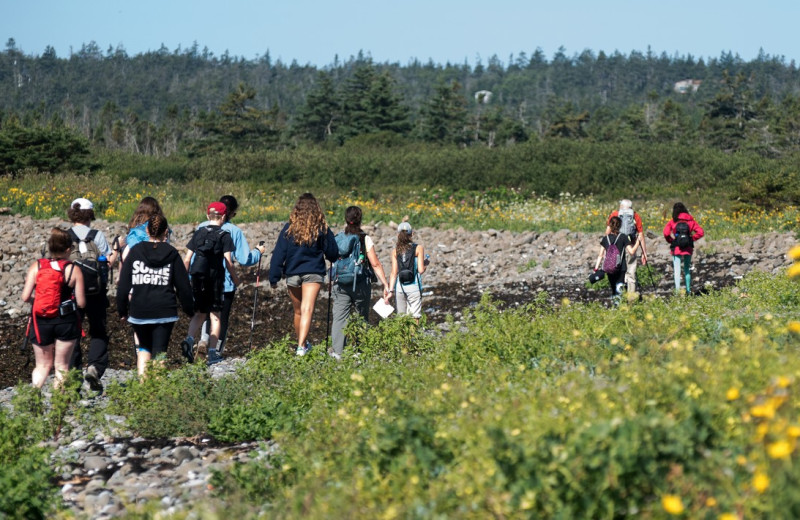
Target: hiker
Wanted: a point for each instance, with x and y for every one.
(408, 263)
(137, 227)
(622, 245)
(681, 232)
(151, 276)
(631, 226)
(352, 285)
(299, 255)
(207, 257)
(54, 325)
(244, 256)
(92, 253)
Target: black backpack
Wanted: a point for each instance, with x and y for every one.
(209, 259)
(407, 266)
(683, 236)
(85, 255)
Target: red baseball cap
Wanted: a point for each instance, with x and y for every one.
(217, 207)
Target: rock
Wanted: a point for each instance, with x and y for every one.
(96, 463)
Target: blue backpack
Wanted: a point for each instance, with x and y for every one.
(349, 267)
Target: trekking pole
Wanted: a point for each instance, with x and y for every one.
(114, 247)
(24, 346)
(328, 325)
(255, 298)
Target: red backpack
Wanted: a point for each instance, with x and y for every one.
(51, 288)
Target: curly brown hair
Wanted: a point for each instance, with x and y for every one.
(147, 207)
(306, 221)
(76, 215)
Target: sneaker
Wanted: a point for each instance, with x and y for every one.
(335, 356)
(201, 350)
(93, 379)
(213, 356)
(301, 351)
(186, 350)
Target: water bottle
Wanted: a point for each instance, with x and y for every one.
(102, 264)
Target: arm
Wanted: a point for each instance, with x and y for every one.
(393, 276)
(183, 287)
(278, 260)
(76, 282)
(378, 268)
(640, 235)
(668, 231)
(697, 231)
(124, 289)
(600, 256)
(187, 259)
(229, 267)
(30, 282)
(331, 249)
(242, 252)
(422, 264)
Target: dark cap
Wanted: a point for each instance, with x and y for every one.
(597, 276)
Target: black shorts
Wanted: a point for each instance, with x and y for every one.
(153, 337)
(207, 294)
(62, 328)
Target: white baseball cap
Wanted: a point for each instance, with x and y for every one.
(404, 226)
(82, 203)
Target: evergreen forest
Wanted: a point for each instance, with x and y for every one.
(583, 122)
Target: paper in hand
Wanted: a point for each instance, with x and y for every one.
(382, 308)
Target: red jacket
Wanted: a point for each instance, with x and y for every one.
(695, 231)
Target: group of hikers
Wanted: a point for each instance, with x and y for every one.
(623, 246)
(68, 285)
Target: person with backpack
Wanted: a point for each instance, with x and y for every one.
(245, 257)
(54, 326)
(137, 226)
(151, 277)
(93, 255)
(408, 263)
(352, 276)
(631, 226)
(299, 256)
(612, 254)
(207, 258)
(681, 232)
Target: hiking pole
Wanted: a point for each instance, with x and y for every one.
(255, 298)
(24, 345)
(114, 247)
(328, 325)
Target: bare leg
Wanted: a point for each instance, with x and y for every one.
(142, 359)
(216, 327)
(303, 300)
(44, 363)
(62, 357)
(296, 296)
(196, 323)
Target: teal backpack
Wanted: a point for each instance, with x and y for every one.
(349, 267)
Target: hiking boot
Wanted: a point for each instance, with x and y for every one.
(213, 357)
(93, 379)
(186, 350)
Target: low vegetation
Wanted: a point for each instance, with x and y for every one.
(659, 407)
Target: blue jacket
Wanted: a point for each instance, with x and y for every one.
(290, 258)
(242, 254)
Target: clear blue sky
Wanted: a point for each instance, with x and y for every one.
(314, 31)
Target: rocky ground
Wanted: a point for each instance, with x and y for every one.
(100, 471)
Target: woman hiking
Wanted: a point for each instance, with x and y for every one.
(54, 326)
(622, 244)
(151, 276)
(408, 263)
(299, 255)
(358, 292)
(681, 232)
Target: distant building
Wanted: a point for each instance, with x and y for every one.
(687, 85)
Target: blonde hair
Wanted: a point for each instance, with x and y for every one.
(306, 221)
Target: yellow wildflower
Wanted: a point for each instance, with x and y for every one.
(794, 253)
(793, 271)
(760, 482)
(728, 516)
(794, 326)
(779, 449)
(732, 394)
(672, 504)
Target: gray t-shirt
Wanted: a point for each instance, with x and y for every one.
(99, 238)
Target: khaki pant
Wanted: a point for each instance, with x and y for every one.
(632, 261)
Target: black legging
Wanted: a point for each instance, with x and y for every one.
(95, 313)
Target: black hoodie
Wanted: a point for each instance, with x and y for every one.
(150, 276)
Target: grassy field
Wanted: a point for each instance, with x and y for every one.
(185, 202)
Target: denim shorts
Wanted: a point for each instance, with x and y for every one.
(299, 279)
